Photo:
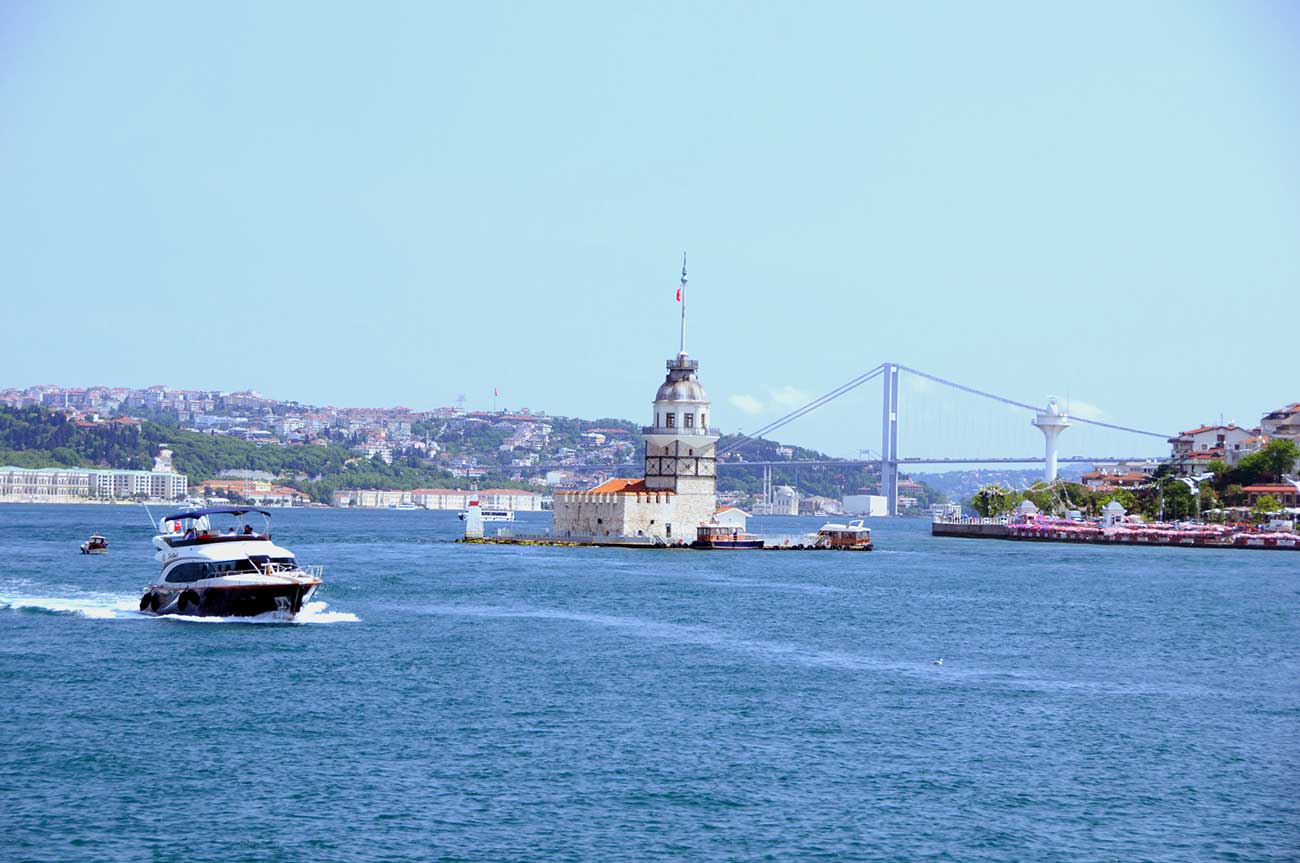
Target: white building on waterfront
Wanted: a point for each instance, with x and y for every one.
(72, 484)
(457, 499)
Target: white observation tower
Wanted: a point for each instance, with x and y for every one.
(1051, 423)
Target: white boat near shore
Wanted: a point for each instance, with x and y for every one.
(492, 515)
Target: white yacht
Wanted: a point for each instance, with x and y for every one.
(493, 515)
(215, 563)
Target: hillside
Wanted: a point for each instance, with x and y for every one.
(40, 437)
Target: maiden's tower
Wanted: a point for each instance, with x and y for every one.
(678, 491)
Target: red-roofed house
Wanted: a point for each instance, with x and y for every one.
(1197, 447)
(1283, 422)
(1286, 494)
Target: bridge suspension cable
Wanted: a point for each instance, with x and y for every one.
(807, 408)
(1035, 408)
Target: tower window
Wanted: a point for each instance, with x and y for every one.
(704, 420)
(690, 421)
(670, 420)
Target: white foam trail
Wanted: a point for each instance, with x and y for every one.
(118, 607)
(312, 612)
(102, 607)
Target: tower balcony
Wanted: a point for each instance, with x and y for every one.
(683, 431)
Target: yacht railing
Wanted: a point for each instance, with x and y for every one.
(291, 569)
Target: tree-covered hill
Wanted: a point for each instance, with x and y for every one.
(37, 437)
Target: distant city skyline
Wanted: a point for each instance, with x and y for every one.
(397, 207)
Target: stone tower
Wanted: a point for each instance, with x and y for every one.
(680, 448)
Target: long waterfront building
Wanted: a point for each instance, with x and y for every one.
(67, 484)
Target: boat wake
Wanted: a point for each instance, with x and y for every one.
(312, 612)
(120, 607)
(96, 606)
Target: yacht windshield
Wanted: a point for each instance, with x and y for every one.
(207, 524)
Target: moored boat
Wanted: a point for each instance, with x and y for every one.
(216, 564)
(853, 536)
(725, 537)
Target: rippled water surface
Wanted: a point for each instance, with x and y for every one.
(449, 702)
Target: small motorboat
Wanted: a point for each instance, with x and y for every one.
(216, 564)
(853, 536)
(97, 544)
(725, 537)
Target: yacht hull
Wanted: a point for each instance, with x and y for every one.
(229, 601)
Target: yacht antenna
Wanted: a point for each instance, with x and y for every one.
(153, 524)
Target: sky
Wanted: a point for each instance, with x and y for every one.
(383, 204)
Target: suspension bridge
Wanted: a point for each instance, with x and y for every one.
(925, 410)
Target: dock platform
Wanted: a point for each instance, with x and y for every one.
(1199, 536)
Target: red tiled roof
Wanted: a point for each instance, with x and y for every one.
(1269, 489)
(621, 486)
(1228, 427)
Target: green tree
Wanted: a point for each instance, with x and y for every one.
(992, 501)
(1265, 504)
(1279, 457)
(1209, 500)
(1179, 502)
(1233, 495)
(1125, 498)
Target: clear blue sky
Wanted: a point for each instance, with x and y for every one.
(393, 204)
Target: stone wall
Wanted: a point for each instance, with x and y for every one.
(637, 514)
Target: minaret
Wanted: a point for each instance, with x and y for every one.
(680, 448)
(1051, 423)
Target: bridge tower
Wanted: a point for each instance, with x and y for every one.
(889, 439)
(1051, 423)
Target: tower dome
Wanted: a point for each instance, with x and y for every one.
(681, 384)
(681, 405)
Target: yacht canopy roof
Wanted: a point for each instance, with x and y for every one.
(210, 510)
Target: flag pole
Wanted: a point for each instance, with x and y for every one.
(682, 352)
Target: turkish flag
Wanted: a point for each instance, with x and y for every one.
(679, 295)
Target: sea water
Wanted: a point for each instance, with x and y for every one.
(449, 702)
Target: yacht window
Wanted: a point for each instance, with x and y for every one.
(186, 572)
